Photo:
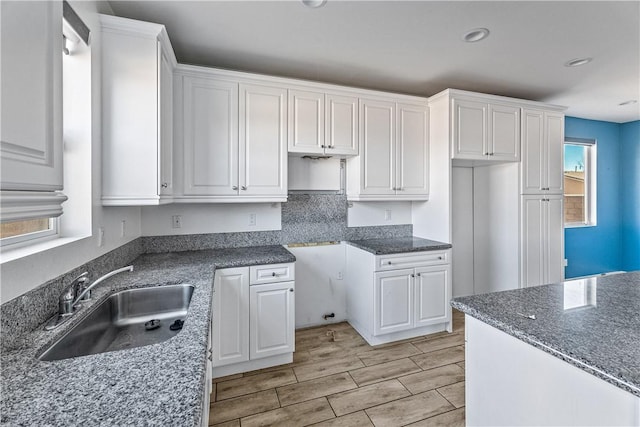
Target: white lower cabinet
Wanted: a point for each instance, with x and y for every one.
(253, 318)
(542, 239)
(409, 297)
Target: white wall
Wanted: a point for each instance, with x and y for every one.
(432, 219)
(320, 288)
(364, 214)
(462, 224)
(21, 273)
(210, 218)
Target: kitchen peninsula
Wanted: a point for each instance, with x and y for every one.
(558, 354)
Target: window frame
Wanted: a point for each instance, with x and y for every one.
(590, 181)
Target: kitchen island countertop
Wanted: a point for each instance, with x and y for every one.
(159, 384)
(592, 323)
(398, 245)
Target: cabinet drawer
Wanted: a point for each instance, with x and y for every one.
(411, 259)
(271, 273)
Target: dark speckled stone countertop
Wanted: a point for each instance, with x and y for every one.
(593, 324)
(156, 385)
(398, 245)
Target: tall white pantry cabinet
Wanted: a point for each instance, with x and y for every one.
(542, 200)
(515, 151)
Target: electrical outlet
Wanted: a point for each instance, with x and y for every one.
(339, 275)
(123, 228)
(252, 219)
(100, 237)
(387, 214)
(176, 221)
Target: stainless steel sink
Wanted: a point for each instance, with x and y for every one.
(119, 322)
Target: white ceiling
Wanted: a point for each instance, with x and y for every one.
(416, 47)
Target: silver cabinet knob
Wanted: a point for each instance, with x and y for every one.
(323, 146)
(274, 274)
(439, 257)
(413, 275)
(243, 188)
(164, 185)
(290, 289)
(389, 262)
(418, 274)
(235, 187)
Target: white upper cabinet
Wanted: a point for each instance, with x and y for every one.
(412, 148)
(263, 142)
(394, 153)
(233, 139)
(341, 125)
(137, 113)
(324, 124)
(210, 137)
(31, 131)
(484, 130)
(542, 152)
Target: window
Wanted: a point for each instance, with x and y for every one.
(579, 182)
(26, 230)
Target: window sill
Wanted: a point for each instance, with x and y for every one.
(10, 254)
(579, 225)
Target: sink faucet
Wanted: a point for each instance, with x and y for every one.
(84, 293)
(77, 291)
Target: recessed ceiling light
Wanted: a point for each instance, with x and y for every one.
(314, 3)
(577, 62)
(629, 102)
(475, 35)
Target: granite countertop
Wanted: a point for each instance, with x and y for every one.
(592, 323)
(398, 245)
(160, 384)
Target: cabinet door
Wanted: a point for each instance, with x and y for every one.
(341, 125)
(165, 97)
(554, 239)
(412, 148)
(504, 132)
(533, 241)
(554, 152)
(377, 147)
(272, 319)
(263, 141)
(432, 295)
(31, 86)
(469, 129)
(533, 153)
(306, 122)
(393, 301)
(231, 316)
(210, 137)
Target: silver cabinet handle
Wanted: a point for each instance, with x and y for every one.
(274, 274)
(329, 146)
(413, 275)
(235, 187)
(164, 185)
(323, 146)
(243, 188)
(389, 262)
(418, 274)
(290, 289)
(439, 257)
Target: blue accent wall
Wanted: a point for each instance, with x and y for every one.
(630, 194)
(598, 249)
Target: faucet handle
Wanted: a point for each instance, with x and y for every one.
(82, 286)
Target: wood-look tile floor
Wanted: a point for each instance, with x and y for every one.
(337, 379)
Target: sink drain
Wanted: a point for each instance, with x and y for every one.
(152, 324)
